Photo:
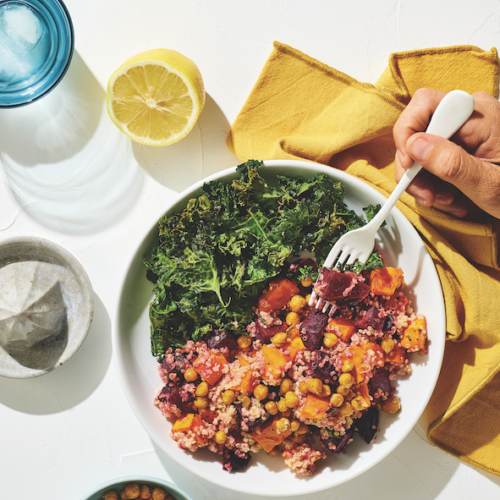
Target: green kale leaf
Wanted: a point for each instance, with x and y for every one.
(215, 258)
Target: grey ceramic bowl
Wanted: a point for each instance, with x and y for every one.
(77, 295)
(119, 484)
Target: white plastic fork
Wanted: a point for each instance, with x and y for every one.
(451, 113)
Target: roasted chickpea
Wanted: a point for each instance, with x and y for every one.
(283, 424)
(291, 399)
(261, 392)
(228, 397)
(132, 491)
(292, 318)
(315, 386)
(220, 437)
(337, 400)
(271, 408)
(286, 385)
(294, 425)
(330, 340)
(202, 389)
(347, 366)
(244, 341)
(346, 409)
(279, 339)
(201, 402)
(307, 282)
(303, 429)
(282, 405)
(387, 345)
(325, 393)
(346, 379)
(343, 390)
(110, 495)
(245, 401)
(158, 494)
(190, 375)
(359, 403)
(145, 492)
(297, 303)
(303, 388)
(392, 405)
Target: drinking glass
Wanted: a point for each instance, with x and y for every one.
(36, 47)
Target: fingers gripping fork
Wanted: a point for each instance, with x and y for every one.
(357, 245)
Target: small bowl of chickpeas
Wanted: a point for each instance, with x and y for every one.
(137, 488)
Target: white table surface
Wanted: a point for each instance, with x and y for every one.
(70, 176)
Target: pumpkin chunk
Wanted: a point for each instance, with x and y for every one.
(268, 435)
(385, 280)
(210, 366)
(314, 407)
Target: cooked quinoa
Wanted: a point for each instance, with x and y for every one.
(301, 378)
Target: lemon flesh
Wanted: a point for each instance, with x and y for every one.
(156, 97)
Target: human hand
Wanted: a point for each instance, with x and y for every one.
(465, 165)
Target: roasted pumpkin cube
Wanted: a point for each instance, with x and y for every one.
(268, 435)
(247, 383)
(275, 362)
(210, 366)
(342, 327)
(415, 336)
(294, 346)
(190, 422)
(278, 294)
(314, 407)
(385, 280)
(397, 355)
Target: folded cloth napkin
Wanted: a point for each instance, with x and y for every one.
(302, 109)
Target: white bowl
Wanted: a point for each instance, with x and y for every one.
(400, 244)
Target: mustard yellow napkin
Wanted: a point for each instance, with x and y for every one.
(302, 109)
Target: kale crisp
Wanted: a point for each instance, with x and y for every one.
(215, 258)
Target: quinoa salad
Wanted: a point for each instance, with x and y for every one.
(297, 382)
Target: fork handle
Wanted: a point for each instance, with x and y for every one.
(452, 112)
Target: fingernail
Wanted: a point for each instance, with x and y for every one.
(420, 149)
(421, 201)
(401, 157)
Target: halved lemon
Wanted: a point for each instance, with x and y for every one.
(156, 97)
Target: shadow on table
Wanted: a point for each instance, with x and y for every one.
(67, 165)
(201, 153)
(70, 384)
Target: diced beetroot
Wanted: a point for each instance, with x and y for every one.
(366, 425)
(369, 317)
(359, 292)
(221, 338)
(312, 329)
(338, 444)
(265, 334)
(388, 324)
(380, 380)
(334, 284)
(321, 367)
(170, 394)
(232, 462)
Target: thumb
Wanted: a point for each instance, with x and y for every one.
(477, 179)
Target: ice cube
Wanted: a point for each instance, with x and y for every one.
(8, 67)
(21, 26)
